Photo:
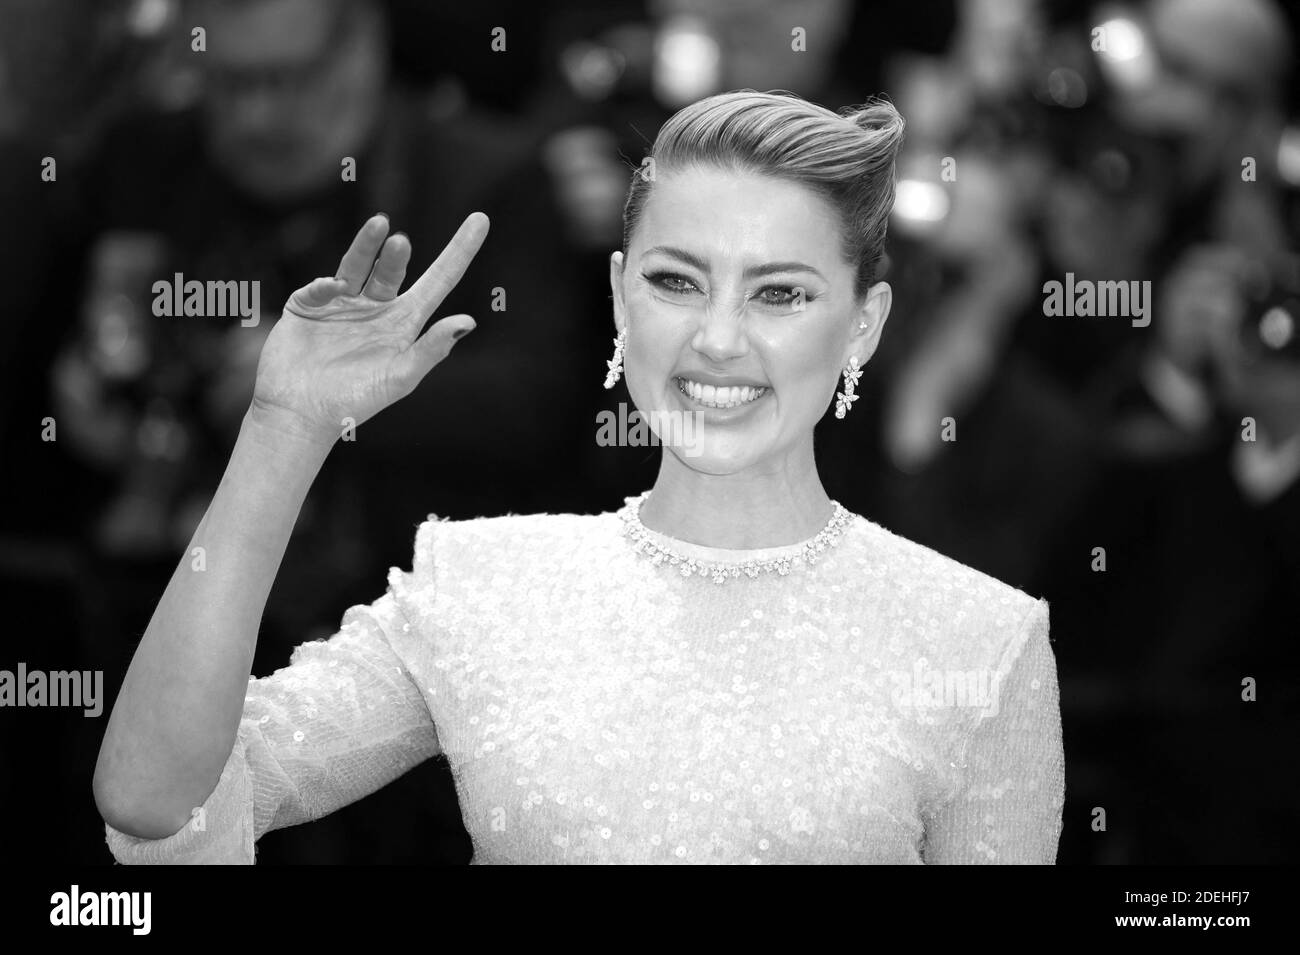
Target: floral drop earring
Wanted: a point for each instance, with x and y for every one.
(844, 399)
(615, 364)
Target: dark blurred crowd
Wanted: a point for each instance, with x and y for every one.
(1143, 476)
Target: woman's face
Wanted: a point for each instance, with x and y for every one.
(740, 317)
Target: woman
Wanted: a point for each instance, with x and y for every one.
(732, 668)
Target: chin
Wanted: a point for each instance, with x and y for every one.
(709, 458)
(722, 443)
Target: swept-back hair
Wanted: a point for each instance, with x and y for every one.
(846, 158)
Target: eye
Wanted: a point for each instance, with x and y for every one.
(782, 295)
(671, 282)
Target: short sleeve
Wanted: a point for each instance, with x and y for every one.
(341, 721)
(1006, 807)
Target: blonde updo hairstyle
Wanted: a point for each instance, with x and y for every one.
(847, 158)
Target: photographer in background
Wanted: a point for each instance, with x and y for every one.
(294, 132)
(1186, 671)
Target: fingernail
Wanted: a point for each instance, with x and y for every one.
(460, 333)
(384, 214)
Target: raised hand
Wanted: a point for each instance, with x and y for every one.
(349, 346)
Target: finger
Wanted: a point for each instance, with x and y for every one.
(434, 345)
(390, 269)
(355, 265)
(441, 277)
(317, 294)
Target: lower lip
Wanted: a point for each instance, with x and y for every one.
(731, 412)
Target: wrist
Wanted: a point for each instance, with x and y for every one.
(286, 433)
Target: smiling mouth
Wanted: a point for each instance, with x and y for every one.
(714, 397)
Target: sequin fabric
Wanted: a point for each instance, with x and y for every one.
(885, 705)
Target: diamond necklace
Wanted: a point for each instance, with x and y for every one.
(645, 544)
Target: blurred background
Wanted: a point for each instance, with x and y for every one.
(1146, 141)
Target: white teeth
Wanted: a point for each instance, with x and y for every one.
(719, 397)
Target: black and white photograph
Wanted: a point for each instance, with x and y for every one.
(642, 432)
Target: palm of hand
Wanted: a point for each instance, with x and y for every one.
(347, 347)
(336, 361)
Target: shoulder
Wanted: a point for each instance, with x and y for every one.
(916, 565)
(957, 611)
(508, 540)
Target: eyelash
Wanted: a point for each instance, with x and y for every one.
(660, 279)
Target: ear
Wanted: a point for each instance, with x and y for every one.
(616, 287)
(869, 322)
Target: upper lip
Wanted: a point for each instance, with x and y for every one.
(719, 381)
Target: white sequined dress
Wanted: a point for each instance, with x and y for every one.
(883, 704)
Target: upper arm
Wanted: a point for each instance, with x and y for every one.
(342, 720)
(1006, 807)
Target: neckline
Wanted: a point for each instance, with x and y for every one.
(724, 555)
(721, 562)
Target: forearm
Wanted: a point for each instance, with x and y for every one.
(175, 720)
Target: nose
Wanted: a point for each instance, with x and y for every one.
(721, 334)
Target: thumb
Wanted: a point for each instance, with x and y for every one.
(434, 345)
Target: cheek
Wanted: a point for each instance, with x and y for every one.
(657, 333)
(798, 359)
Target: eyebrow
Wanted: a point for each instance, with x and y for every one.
(755, 271)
